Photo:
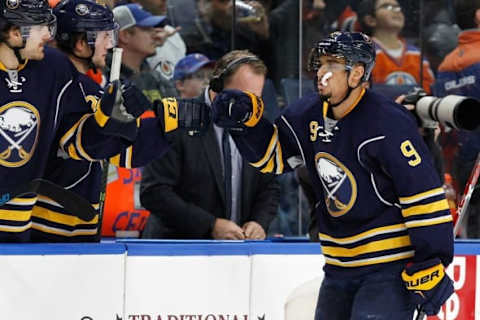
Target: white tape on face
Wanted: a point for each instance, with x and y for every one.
(325, 78)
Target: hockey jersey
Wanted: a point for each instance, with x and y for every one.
(459, 74)
(41, 106)
(402, 71)
(378, 196)
(51, 222)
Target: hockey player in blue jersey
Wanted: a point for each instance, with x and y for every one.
(385, 227)
(42, 109)
(85, 31)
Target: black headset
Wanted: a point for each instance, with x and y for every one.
(217, 82)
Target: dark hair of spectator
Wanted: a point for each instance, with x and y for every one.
(465, 13)
(366, 8)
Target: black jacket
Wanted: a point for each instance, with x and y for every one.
(184, 190)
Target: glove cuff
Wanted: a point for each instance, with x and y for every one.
(424, 279)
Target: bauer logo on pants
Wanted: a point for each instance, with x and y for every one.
(338, 182)
(19, 127)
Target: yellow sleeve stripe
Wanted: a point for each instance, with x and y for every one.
(72, 152)
(78, 140)
(421, 196)
(61, 218)
(429, 222)
(15, 215)
(115, 160)
(374, 246)
(370, 261)
(7, 228)
(271, 147)
(426, 208)
(279, 159)
(269, 167)
(71, 131)
(100, 117)
(128, 157)
(364, 235)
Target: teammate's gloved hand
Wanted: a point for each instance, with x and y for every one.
(237, 109)
(188, 114)
(112, 115)
(429, 285)
(135, 102)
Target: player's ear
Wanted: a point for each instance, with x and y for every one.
(356, 75)
(476, 17)
(15, 36)
(81, 46)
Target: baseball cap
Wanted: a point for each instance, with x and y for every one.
(132, 14)
(190, 64)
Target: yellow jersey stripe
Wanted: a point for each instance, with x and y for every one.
(62, 232)
(15, 215)
(23, 201)
(269, 167)
(374, 246)
(6, 228)
(426, 208)
(370, 261)
(61, 218)
(100, 117)
(364, 235)
(115, 160)
(429, 222)
(271, 147)
(72, 152)
(421, 196)
(70, 133)
(78, 140)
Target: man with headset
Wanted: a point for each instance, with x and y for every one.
(202, 188)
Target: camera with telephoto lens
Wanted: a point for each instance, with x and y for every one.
(453, 111)
(247, 13)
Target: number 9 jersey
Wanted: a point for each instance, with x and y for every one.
(378, 196)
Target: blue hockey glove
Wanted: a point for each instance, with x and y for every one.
(237, 109)
(188, 114)
(429, 285)
(112, 115)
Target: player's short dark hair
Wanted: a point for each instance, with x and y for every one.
(5, 27)
(366, 8)
(67, 45)
(257, 65)
(465, 13)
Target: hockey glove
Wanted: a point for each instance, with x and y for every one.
(135, 102)
(112, 115)
(429, 285)
(237, 109)
(188, 114)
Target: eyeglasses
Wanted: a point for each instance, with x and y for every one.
(390, 7)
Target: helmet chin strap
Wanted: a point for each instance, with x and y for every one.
(16, 50)
(347, 95)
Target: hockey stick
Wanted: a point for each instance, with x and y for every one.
(114, 75)
(467, 195)
(69, 200)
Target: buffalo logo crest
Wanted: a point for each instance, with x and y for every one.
(19, 127)
(338, 183)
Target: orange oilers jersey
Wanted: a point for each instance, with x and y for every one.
(402, 71)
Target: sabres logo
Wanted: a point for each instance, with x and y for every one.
(338, 183)
(12, 4)
(19, 127)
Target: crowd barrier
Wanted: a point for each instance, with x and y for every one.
(180, 280)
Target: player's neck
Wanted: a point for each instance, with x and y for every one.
(346, 106)
(8, 58)
(388, 38)
(80, 64)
